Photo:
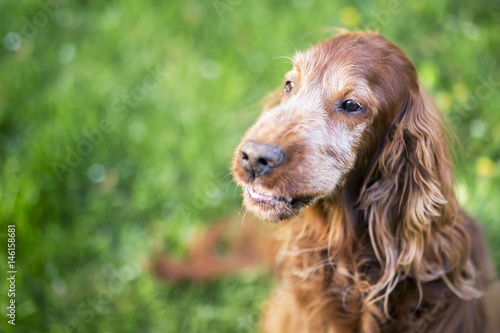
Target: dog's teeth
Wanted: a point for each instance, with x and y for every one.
(267, 197)
(260, 196)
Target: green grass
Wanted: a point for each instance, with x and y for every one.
(165, 90)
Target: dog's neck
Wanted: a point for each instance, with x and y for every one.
(331, 232)
(325, 252)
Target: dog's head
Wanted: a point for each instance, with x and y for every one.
(332, 114)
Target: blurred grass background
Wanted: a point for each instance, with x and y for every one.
(118, 122)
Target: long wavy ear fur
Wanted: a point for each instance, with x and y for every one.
(414, 220)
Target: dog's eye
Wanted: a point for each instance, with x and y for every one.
(350, 106)
(288, 86)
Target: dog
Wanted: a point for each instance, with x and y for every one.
(352, 158)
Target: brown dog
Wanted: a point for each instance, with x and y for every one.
(354, 155)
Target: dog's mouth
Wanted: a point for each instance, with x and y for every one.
(267, 198)
(274, 207)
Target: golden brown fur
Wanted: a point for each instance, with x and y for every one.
(375, 240)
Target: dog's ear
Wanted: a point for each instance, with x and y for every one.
(414, 220)
(272, 99)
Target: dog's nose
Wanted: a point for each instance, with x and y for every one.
(258, 159)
